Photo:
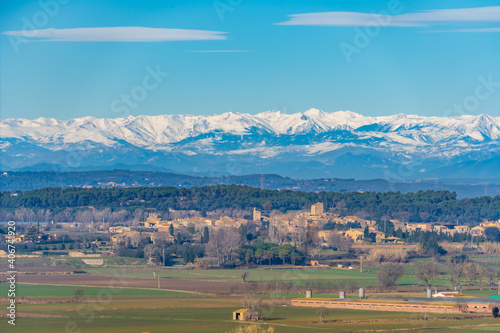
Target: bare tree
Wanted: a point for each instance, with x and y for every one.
(341, 205)
(312, 234)
(79, 294)
(322, 313)
(402, 216)
(254, 305)
(160, 238)
(149, 252)
(487, 275)
(84, 216)
(277, 232)
(135, 239)
(388, 275)
(426, 272)
(457, 269)
(472, 272)
(224, 245)
(299, 237)
(337, 241)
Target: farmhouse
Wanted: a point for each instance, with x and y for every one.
(122, 238)
(477, 231)
(152, 221)
(356, 235)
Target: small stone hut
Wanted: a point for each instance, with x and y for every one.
(242, 314)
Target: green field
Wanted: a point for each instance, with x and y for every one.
(52, 308)
(144, 310)
(480, 293)
(214, 315)
(135, 268)
(51, 291)
(297, 276)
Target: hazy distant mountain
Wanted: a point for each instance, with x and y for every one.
(30, 180)
(312, 144)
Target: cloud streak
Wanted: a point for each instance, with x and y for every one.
(117, 34)
(219, 51)
(464, 16)
(483, 30)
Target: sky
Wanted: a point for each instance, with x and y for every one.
(109, 59)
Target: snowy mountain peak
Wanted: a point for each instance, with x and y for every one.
(314, 113)
(315, 136)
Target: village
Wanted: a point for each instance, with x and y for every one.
(295, 228)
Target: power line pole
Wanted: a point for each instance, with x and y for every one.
(163, 256)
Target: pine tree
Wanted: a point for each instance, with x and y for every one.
(31, 234)
(367, 232)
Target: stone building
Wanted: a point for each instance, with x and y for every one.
(242, 314)
(317, 209)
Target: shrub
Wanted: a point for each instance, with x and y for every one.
(388, 255)
(491, 248)
(388, 276)
(253, 329)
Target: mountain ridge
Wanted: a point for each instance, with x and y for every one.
(271, 139)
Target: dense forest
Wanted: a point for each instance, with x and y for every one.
(428, 206)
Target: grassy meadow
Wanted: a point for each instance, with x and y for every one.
(48, 308)
(202, 314)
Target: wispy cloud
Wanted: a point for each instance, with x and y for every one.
(218, 51)
(117, 34)
(420, 19)
(483, 30)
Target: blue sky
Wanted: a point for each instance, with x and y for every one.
(75, 58)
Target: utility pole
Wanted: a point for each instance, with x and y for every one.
(158, 281)
(163, 255)
(361, 266)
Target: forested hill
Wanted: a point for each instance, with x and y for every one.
(428, 206)
(29, 180)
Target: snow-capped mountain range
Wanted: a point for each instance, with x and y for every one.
(309, 144)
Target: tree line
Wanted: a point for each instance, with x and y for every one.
(421, 206)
